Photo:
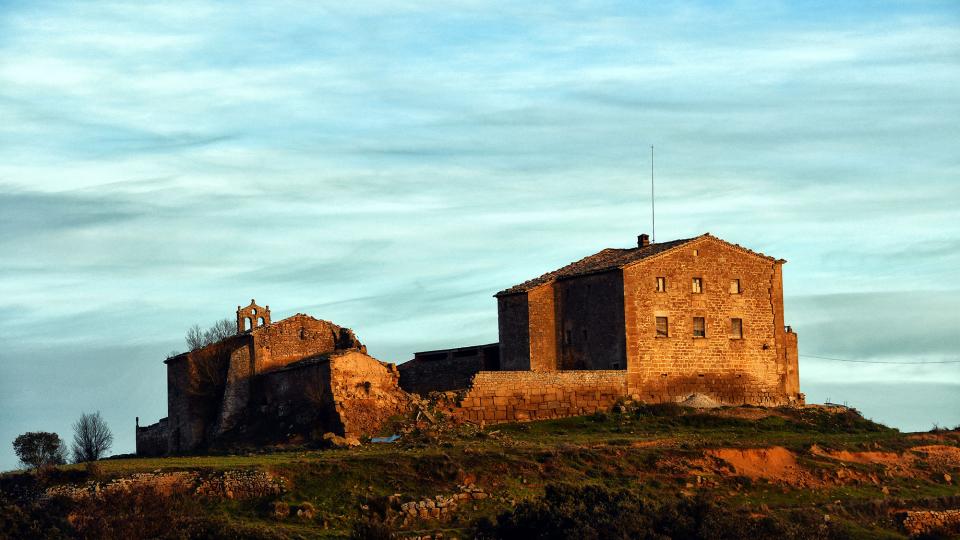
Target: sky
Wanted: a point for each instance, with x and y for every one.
(390, 165)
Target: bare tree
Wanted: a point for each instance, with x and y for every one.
(194, 337)
(38, 449)
(197, 337)
(91, 438)
(221, 329)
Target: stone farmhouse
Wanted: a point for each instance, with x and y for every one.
(272, 381)
(656, 322)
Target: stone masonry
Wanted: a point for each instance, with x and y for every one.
(214, 393)
(721, 314)
(657, 322)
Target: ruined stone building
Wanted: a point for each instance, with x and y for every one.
(657, 322)
(271, 382)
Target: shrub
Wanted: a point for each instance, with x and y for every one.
(279, 510)
(306, 510)
(599, 417)
(592, 513)
(371, 529)
(667, 409)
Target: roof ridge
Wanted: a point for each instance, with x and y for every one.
(602, 261)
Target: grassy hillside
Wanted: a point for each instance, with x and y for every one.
(739, 472)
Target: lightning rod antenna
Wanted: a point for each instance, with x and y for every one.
(653, 215)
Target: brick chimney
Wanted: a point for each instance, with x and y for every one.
(643, 240)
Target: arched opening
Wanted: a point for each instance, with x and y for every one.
(260, 321)
(247, 324)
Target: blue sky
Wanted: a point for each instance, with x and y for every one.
(390, 165)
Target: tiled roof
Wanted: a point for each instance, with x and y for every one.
(608, 259)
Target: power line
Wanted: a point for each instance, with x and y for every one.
(880, 362)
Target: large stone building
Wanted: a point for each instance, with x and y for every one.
(272, 381)
(658, 322)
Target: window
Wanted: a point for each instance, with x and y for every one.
(697, 285)
(663, 329)
(584, 335)
(615, 365)
(734, 286)
(661, 284)
(699, 327)
(736, 328)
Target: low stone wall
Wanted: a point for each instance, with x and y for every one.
(508, 396)
(235, 484)
(931, 522)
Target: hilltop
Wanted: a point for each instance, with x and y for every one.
(682, 472)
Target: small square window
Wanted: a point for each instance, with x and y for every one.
(697, 285)
(699, 327)
(615, 365)
(663, 329)
(734, 286)
(736, 328)
(661, 284)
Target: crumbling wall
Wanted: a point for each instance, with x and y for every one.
(366, 392)
(209, 390)
(152, 440)
(507, 396)
(294, 401)
(344, 392)
(299, 337)
(731, 369)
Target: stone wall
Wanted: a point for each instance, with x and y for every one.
(153, 440)
(734, 370)
(345, 392)
(507, 396)
(513, 323)
(449, 369)
(299, 337)
(543, 328)
(590, 325)
(934, 523)
(209, 390)
(196, 383)
(231, 484)
(366, 392)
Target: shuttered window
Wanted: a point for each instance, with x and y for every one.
(736, 328)
(697, 285)
(699, 327)
(663, 329)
